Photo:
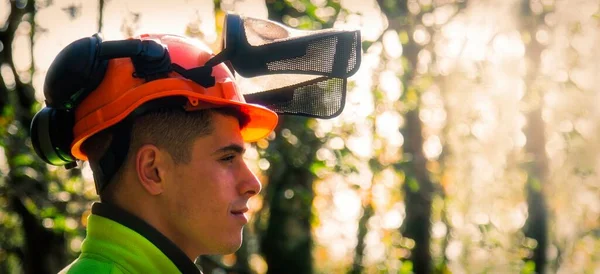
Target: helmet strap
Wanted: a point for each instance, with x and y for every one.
(203, 75)
(114, 156)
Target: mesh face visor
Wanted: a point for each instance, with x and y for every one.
(291, 71)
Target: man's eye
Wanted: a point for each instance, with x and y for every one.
(228, 158)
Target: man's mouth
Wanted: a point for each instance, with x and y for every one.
(240, 211)
(240, 214)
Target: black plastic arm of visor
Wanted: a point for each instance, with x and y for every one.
(151, 50)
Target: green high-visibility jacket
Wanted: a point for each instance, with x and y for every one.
(119, 242)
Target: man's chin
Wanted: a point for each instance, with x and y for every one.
(222, 244)
(229, 247)
(235, 247)
(226, 251)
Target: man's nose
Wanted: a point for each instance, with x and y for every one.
(249, 184)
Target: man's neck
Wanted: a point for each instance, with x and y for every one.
(155, 216)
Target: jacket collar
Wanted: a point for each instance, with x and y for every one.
(134, 224)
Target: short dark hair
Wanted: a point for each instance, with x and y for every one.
(172, 129)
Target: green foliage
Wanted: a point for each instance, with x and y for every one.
(406, 268)
(528, 268)
(23, 160)
(413, 184)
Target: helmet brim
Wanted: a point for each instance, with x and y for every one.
(262, 121)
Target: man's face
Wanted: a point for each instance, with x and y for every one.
(208, 196)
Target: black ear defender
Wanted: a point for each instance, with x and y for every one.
(51, 136)
(70, 76)
(77, 70)
(74, 73)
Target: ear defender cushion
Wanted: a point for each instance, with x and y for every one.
(75, 72)
(52, 134)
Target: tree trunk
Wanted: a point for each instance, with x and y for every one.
(418, 190)
(286, 237)
(536, 226)
(287, 243)
(43, 251)
(357, 265)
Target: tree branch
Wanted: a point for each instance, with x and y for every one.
(25, 92)
(100, 14)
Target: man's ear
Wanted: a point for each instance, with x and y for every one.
(151, 163)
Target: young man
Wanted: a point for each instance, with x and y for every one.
(167, 157)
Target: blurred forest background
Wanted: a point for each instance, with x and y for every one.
(469, 142)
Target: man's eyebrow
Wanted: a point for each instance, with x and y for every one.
(231, 148)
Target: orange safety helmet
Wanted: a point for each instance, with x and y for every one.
(120, 92)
